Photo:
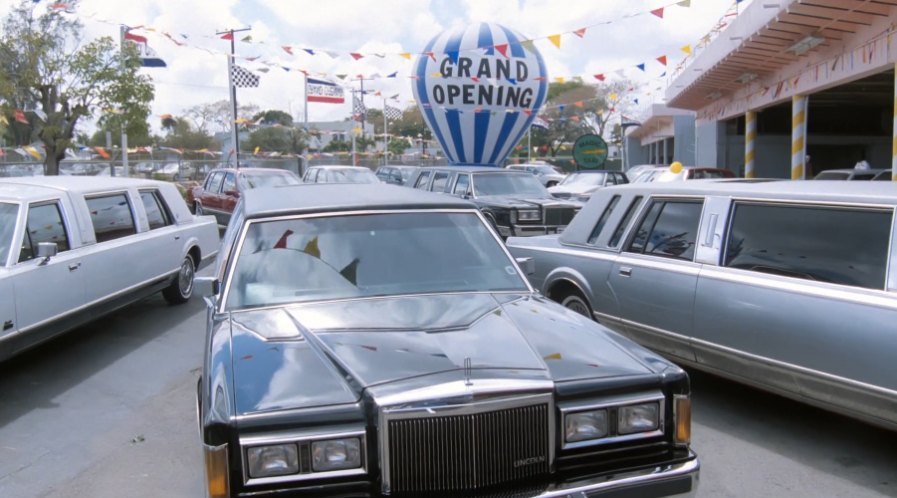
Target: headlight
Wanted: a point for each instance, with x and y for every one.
(583, 197)
(638, 418)
(528, 215)
(585, 425)
(336, 454)
(274, 460)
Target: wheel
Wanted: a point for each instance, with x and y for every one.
(550, 184)
(575, 303)
(181, 288)
(197, 209)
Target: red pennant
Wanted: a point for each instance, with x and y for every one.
(658, 12)
(282, 242)
(599, 77)
(581, 32)
(227, 36)
(539, 78)
(288, 49)
(20, 116)
(662, 59)
(528, 112)
(431, 55)
(503, 49)
(356, 55)
(475, 79)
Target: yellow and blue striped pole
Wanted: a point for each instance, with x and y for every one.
(750, 135)
(894, 139)
(798, 136)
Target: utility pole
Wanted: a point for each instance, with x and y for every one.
(235, 134)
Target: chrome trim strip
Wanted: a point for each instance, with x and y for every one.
(297, 437)
(618, 401)
(456, 389)
(656, 331)
(661, 263)
(840, 292)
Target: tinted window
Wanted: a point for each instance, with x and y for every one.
(422, 180)
(462, 185)
(215, 182)
(669, 230)
(258, 179)
(603, 218)
(439, 181)
(230, 183)
(8, 215)
(111, 217)
(842, 246)
(156, 211)
(630, 212)
(508, 184)
(44, 225)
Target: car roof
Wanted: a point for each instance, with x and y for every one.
(312, 198)
(25, 188)
(337, 166)
(473, 169)
(835, 191)
(252, 170)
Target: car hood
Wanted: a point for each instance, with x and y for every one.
(329, 353)
(519, 202)
(573, 189)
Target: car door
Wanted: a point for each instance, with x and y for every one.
(46, 291)
(161, 238)
(227, 198)
(116, 262)
(210, 194)
(655, 276)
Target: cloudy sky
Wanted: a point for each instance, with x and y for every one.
(616, 40)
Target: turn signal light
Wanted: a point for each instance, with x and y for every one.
(216, 471)
(683, 418)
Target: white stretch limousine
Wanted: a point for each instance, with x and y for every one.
(75, 248)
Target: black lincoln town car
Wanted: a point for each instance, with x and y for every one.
(373, 340)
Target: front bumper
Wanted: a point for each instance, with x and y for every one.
(530, 230)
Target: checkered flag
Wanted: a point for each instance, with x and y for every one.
(358, 107)
(244, 78)
(393, 112)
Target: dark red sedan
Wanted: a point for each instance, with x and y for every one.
(219, 193)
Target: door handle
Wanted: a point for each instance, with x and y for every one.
(74, 267)
(177, 237)
(626, 271)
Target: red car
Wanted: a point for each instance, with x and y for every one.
(219, 193)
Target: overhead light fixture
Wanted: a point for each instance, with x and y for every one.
(806, 44)
(713, 96)
(746, 78)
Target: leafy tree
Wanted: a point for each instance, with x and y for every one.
(272, 117)
(276, 138)
(45, 66)
(337, 145)
(182, 135)
(397, 145)
(218, 116)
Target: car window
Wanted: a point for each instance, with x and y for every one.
(45, 224)
(383, 173)
(621, 178)
(157, 213)
(828, 244)
(462, 185)
(111, 216)
(230, 183)
(621, 228)
(669, 230)
(508, 184)
(9, 213)
(348, 256)
(439, 181)
(258, 179)
(422, 180)
(215, 182)
(862, 176)
(602, 220)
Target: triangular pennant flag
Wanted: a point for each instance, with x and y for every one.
(539, 78)
(579, 104)
(599, 77)
(263, 69)
(512, 81)
(310, 51)
(342, 76)
(332, 54)
(247, 38)
(228, 36)
(288, 49)
(581, 32)
(641, 66)
(662, 59)
(529, 45)
(392, 75)
(405, 55)
(356, 55)
(560, 79)
(612, 96)
(555, 40)
(686, 49)
(503, 49)
(658, 12)
(431, 55)
(662, 74)
(635, 101)
(561, 108)
(684, 3)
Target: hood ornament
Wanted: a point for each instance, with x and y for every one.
(468, 368)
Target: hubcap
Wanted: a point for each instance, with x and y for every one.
(185, 278)
(577, 306)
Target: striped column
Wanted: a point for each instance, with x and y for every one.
(894, 139)
(798, 136)
(750, 135)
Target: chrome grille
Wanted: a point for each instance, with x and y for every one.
(467, 452)
(559, 216)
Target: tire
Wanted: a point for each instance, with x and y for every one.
(181, 289)
(550, 184)
(575, 303)
(197, 209)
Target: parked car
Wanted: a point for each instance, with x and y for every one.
(884, 175)
(396, 175)
(222, 188)
(580, 185)
(786, 286)
(168, 171)
(665, 174)
(546, 173)
(514, 202)
(349, 353)
(74, 248)
(850, 174)
(339, 174)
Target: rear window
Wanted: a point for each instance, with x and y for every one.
(821, 243)
(621, 228)
(111, 216)
(669, 230)
(602, 220)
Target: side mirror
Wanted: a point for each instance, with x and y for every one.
(206, 286)
(46, 250)
(528, 265)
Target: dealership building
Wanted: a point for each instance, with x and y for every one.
(788, 89)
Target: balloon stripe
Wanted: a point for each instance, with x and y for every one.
(454, 122)
(510, 121)
(485, 39)
(454, 42)
(481, 128)
(516, 46)
(424, 99)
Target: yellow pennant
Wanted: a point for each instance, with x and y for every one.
(684, 3)
(34, 153)
(406, 55)
(556, 40)
(686, 49)
(553, 356)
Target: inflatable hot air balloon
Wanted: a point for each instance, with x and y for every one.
(479, 89)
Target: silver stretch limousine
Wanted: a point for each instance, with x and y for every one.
(786, 286)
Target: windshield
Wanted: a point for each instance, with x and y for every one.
(346, 175)
(584, 179)
(508, 184)
(338, 257)
(8, 214)
(258, 179)
(407, 173)
(832, 175)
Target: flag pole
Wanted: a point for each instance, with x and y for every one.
(235, 134)
(385, 136)
(305, 127)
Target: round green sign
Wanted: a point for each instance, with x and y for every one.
(590, 152)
